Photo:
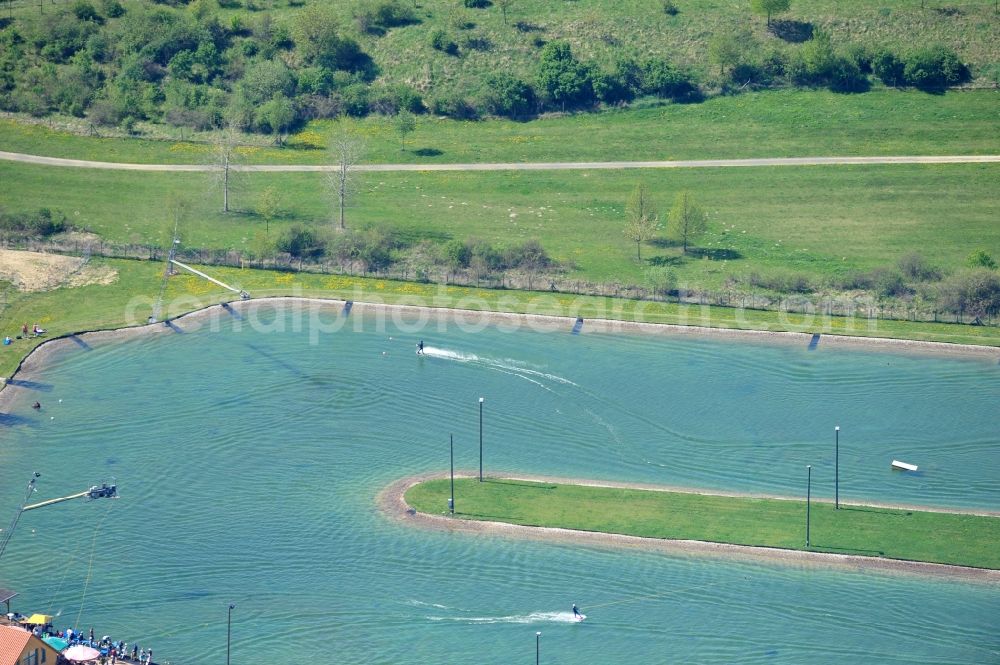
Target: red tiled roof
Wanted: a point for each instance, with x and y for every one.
(12, 642)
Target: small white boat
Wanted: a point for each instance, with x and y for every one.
(903, 466)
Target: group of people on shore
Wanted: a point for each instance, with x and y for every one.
(112, 651)
(35, 332)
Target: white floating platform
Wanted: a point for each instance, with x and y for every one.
(903, 466)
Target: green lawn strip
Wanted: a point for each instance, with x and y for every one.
(821, 222)
(129, 300)
(966, 540)
(783, 123)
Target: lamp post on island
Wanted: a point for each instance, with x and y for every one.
(836, 468)
(481, 400)
(809, 471)
(229, 630)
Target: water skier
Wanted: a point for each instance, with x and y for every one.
(420, 348)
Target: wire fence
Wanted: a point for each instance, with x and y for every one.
(834, 305)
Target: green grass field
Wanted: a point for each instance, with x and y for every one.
(818, 221)
(965, 540)
(785, 123)
(129, 301)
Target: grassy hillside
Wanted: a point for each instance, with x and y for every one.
(271, 66)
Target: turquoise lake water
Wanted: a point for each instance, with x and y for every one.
(249, 460)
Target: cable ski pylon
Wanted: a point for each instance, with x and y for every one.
(243, 294)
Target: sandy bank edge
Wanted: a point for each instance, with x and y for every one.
(392, 503)
(34, 362)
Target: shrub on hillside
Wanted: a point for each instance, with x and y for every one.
(934, 68)
(301, 242)
(562, 79)
(975, 292)
(41, 223)
(454, 106)
(441, 41)
(381, 16)
(508, 96)
(916, 267)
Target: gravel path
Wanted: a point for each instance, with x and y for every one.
(521, 166)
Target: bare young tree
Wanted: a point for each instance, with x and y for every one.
(224, 158)
(504, 6)
(641, 223)
(688, 221)
(346, 149)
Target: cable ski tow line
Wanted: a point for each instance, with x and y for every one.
(243, 294)
(90, 566)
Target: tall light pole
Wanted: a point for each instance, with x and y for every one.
(481, 400)
(836, 467)
(229, 630)
(538, 637)
(451, 451)
(809, 482)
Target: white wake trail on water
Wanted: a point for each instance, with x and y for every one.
(533, 617)
(504, 365)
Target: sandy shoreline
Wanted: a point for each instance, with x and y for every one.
(392, 503)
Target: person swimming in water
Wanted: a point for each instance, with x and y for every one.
(420, 348)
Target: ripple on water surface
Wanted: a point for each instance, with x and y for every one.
(249, 465)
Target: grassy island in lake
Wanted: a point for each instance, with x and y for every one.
(912, 535)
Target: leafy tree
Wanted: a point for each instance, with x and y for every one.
(317, 34)
(564, 79)
(507, 95)
(268, 206)
(266, 78)
(404, 124)
(888, 68)
(302, 243)
(276, 116)
(663, 79)
(770, 7)
(726, 49)
(641, 222)
(980, 259)
(688, 222)
(934, 68)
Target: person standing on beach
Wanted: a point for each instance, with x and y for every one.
(24, 330)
